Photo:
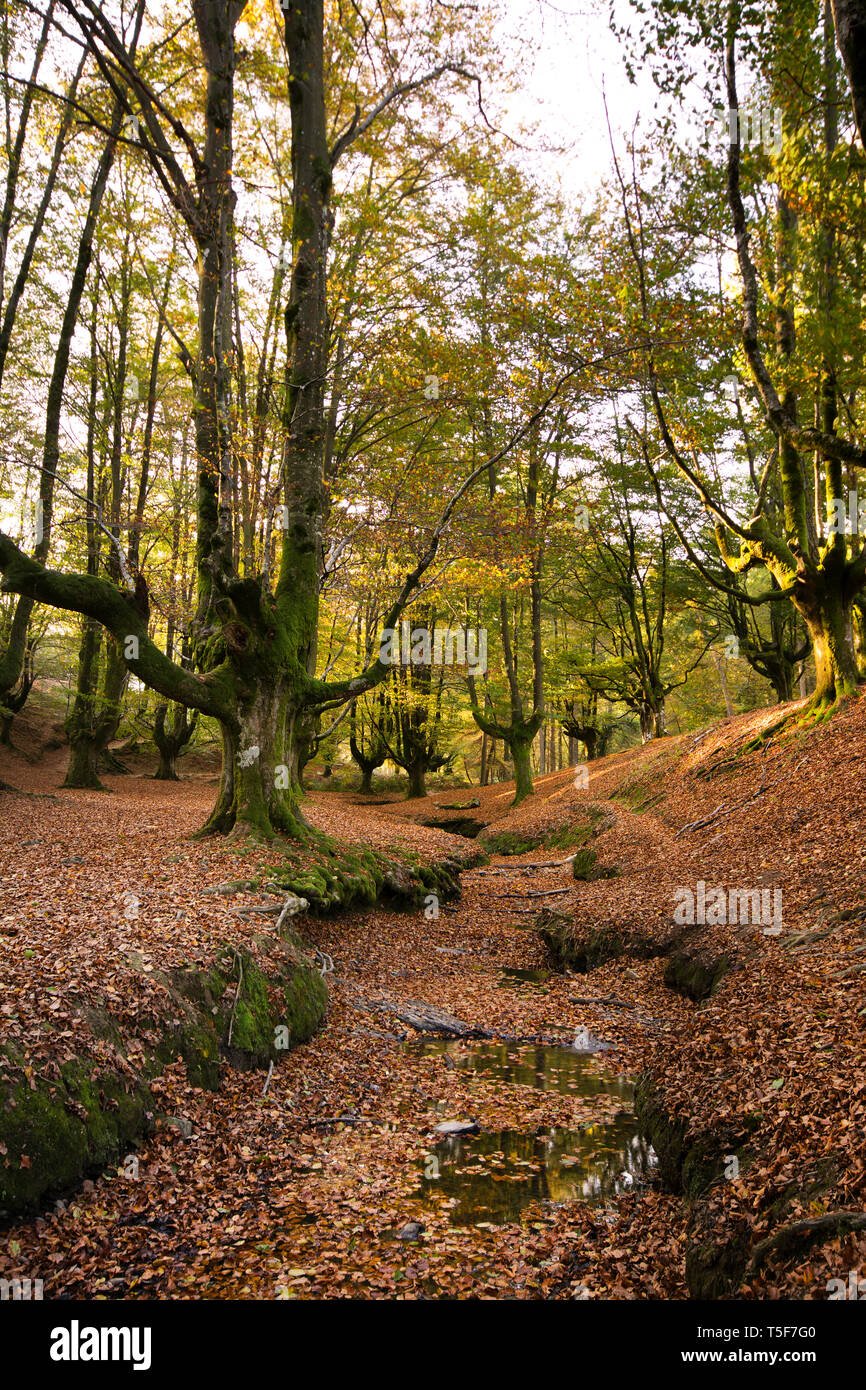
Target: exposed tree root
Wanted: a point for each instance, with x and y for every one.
(800, 1236)
(818, 709)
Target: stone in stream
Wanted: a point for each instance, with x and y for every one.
(450, 1128)
(411, 1231)
(427, 1019)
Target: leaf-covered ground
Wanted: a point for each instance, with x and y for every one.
(264, 1191)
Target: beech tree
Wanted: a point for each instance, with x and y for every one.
(808, 554)
(254, 641)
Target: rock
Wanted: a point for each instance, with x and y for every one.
(178, 1122)
(427, 1019)
(450, 1128)
(411, 1231)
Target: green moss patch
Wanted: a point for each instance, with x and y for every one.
(696, 974)
(574, 947)
(54, 1132)
(510, 842)
(333, 877)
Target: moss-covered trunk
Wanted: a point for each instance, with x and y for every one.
(82, 770)
(652, 720)
(260, 787)
(417, 780)
(170, 737)
(94, 718)
(520, 752)
(830, 624)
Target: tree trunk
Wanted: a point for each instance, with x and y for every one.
(782, 676)
(719, 664)
(828, 617)
(417, 779)
(13, 659)
(82, 770)
(850, 19)
(652, 721)
(172, 739)
(520, 751)
(260, 784)
(13, 701)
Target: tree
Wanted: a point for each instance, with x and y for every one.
(804, 548)
(254, 646)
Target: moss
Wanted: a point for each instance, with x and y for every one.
(63, 1131)
(576, 833)
(247, 1039)
(583, 949)
(194, 1040)
(715, 1268)
(237, 1019)
(640, 793)
(340, 877)
(686, 1165)
(306, 997)
(508, 842)
(583, 864)
(696, 974)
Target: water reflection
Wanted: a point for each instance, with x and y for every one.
(543, 1066)
(513, 977)
(494, 1175)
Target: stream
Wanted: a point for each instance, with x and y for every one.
(491, 1176)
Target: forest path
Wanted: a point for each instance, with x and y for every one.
(262, 1190)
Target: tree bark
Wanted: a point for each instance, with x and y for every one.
(849, 17)
(171, 738)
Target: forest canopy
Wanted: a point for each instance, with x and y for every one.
(340, 428)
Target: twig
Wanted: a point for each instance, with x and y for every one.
(724, 809)
(237, 997)
(545, 893)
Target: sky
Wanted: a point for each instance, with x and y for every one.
(579, 61)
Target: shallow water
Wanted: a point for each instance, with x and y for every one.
(512, 977)
(492, 1176)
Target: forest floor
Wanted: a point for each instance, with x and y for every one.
(307, 1185)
